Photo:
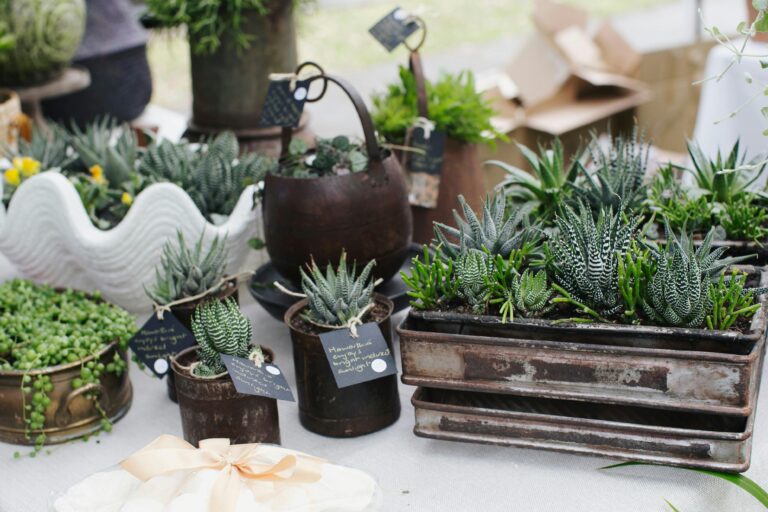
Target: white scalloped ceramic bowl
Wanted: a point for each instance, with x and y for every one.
(47, 235)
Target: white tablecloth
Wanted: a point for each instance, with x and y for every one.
(417, 475)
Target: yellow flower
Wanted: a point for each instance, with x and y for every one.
(12, 176)
(97, 173)
(28, 166)
(126, 199)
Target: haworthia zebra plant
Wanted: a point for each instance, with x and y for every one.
(474, 269)
(101, 143)
(526, 294)
(220, 328)
(186, 272)
(338, 296)
(495, 231)
(583, 256)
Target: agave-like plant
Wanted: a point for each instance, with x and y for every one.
(49, 147)
(114, 148)
(221, 328)
(497, 231)
(727, 176)
(584, 256)
(186, 272)
(474, 269)
(338, 296)
(527, 294)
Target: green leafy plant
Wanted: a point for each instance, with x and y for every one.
(453, 103)
(474, 270)
(731, 300)
(113, 149)
(42, 328)
(725, 177)
(50, 148)
(220, 328)
(431, 281)
(668, 199)
(742, 219)
(339, 296)
(527, 294)
(547, 188)
(583, 258)
(331, 157)
(186, 272)
(635, 268)
(497, 231)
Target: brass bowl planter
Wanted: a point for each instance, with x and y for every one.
(70, 414)
(213, 407)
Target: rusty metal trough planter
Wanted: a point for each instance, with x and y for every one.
(667, 368)
(699, 440)
(70, 414)
(213, 407)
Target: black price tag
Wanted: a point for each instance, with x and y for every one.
(357, 360)
(425, 166)
(158, 340)
(393, 29)
(267, 380)
(284, 103)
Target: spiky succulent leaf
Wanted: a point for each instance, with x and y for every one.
(107, 144)
(220, 328)
(474, 269)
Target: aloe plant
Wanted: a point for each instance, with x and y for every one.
(727, 175)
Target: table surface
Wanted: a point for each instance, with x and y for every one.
(416, 474)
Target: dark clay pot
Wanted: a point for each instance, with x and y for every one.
(366, 213)
(183, 312)
(213, 407)
(323, 407)
(229, 85)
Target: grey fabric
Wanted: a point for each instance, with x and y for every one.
(112, 26)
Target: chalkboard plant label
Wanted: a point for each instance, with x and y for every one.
(356, 360)
(249, 378)
(160, 339)
(393, 29)
(284, 102)
(425, 165)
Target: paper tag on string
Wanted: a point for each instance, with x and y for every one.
(357, 360)
(393, 29)
(159, 340)
(284, 102)
(426, 165)
(265, 380)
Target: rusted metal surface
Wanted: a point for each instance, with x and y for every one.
(366, 213)
(213, 407)
(183, 312)
(323, 407)
(668, 368)
(71, 414)
(628, 433)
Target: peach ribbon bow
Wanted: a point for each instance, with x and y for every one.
(237, 464)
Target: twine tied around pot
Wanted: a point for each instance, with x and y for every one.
(160, 309)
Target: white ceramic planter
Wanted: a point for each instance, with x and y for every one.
(47, 235)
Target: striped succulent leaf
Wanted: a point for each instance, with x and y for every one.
(220, 328)
(530, 294)
(474, 269)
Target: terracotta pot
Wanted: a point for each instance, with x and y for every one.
(213, 407)
(70, 414)
(462, 174)
(366, 213)
(10, 116)
(323, 407)
(229, 85)
(183, 312)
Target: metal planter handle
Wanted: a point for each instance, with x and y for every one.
(63, 414)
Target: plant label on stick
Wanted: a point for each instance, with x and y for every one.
(250, 379)
(284, 102)
(394, 28)
(160, 339)
(425, 165)
(357, 360)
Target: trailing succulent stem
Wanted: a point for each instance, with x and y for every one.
(338, 297)
(731, 300)
(636, 269)
(220, 328)
(431, 282)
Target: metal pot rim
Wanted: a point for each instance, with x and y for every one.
(61, 367)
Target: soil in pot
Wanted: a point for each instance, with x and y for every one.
(213, 408)
(323, 407)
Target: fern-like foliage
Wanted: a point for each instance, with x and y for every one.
(583, 256)
(104, 143)
(220, 328)
(474, 270)
(339, 295)
(497, 231)
(185, 272)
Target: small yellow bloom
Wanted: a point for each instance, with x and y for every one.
(29, 166)
(126, 199)
(12, 176)
(97, 173)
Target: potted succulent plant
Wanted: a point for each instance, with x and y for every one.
(184, 273)
(63, 364)
(458, 110)
(235, 45)
(210, 405)
(332, 300)
(359, 202)
(38, 39)
(110, 198)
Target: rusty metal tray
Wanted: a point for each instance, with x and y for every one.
(629, 433)
(661, 367)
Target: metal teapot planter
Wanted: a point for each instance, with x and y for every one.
(366, 213)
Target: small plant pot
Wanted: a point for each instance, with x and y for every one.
(71, 414)
(183, 312)
(213, 408)
(10, 113)
(323, 407)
